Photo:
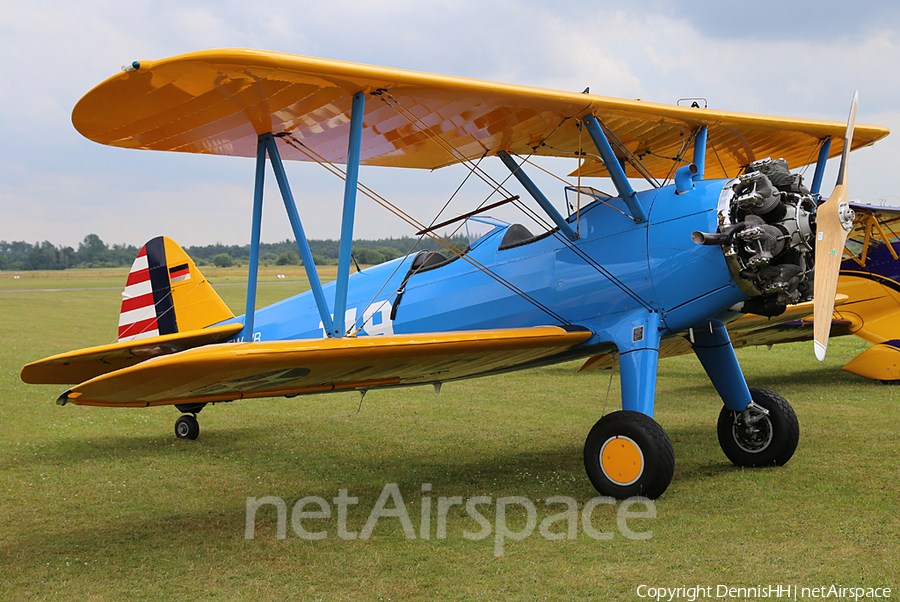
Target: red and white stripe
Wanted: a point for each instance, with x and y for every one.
(137, 320)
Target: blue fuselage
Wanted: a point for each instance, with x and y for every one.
(657, 266)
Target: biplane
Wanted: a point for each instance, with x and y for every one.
(722, 230)
(870, 278)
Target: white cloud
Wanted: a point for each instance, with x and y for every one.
(58, 186)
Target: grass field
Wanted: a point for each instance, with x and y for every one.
(105, 504)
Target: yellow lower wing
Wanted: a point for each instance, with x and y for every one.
(265, 369)
(880, 362)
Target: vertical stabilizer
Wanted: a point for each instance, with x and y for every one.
(166, 293)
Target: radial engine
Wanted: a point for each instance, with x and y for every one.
(767, 227)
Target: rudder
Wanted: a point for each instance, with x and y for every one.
(165, 293)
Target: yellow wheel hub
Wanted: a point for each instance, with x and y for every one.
(621, 460)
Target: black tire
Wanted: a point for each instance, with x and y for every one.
(771, 441)
(187, 427)
(638, 456)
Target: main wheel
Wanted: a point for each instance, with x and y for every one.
(627, 454)
(187, 427)
(754, 438)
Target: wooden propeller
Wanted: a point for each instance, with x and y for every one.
(834, 220)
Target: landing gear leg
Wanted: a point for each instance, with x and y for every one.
(713, 348)
(757, 427)
(187, 427)
(627, 453)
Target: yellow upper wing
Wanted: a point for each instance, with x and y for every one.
(265, 369)
(219, 101)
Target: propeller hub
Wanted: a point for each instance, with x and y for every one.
(847, 215)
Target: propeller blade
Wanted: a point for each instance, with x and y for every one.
(834, 220)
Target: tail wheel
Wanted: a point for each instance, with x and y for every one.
(187, 427)
(627, 454)
(756, 438)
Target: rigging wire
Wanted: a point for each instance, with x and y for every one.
(338, 172)
(586, 257)
(679, 158)
(578, 213)
(612, 370)
(631, 158)
(446, 145)
(437, 138)
(415, 223)
(456, 154)
(719, 159)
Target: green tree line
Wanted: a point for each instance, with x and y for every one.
(92, 252)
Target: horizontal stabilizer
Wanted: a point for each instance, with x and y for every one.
(285, 368)
(85, 364)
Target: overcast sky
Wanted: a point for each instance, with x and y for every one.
(797, 59)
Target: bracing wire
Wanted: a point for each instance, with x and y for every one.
(474, 168)
(446, 145)
(635, 162)
(298, 145)
(813, 153)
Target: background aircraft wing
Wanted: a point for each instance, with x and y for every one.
(887, 212)
(283, 368)
(219, 101)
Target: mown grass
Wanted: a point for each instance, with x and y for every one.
(105, 504)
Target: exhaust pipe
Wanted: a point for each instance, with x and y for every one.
(703, 238)
(721, 238)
